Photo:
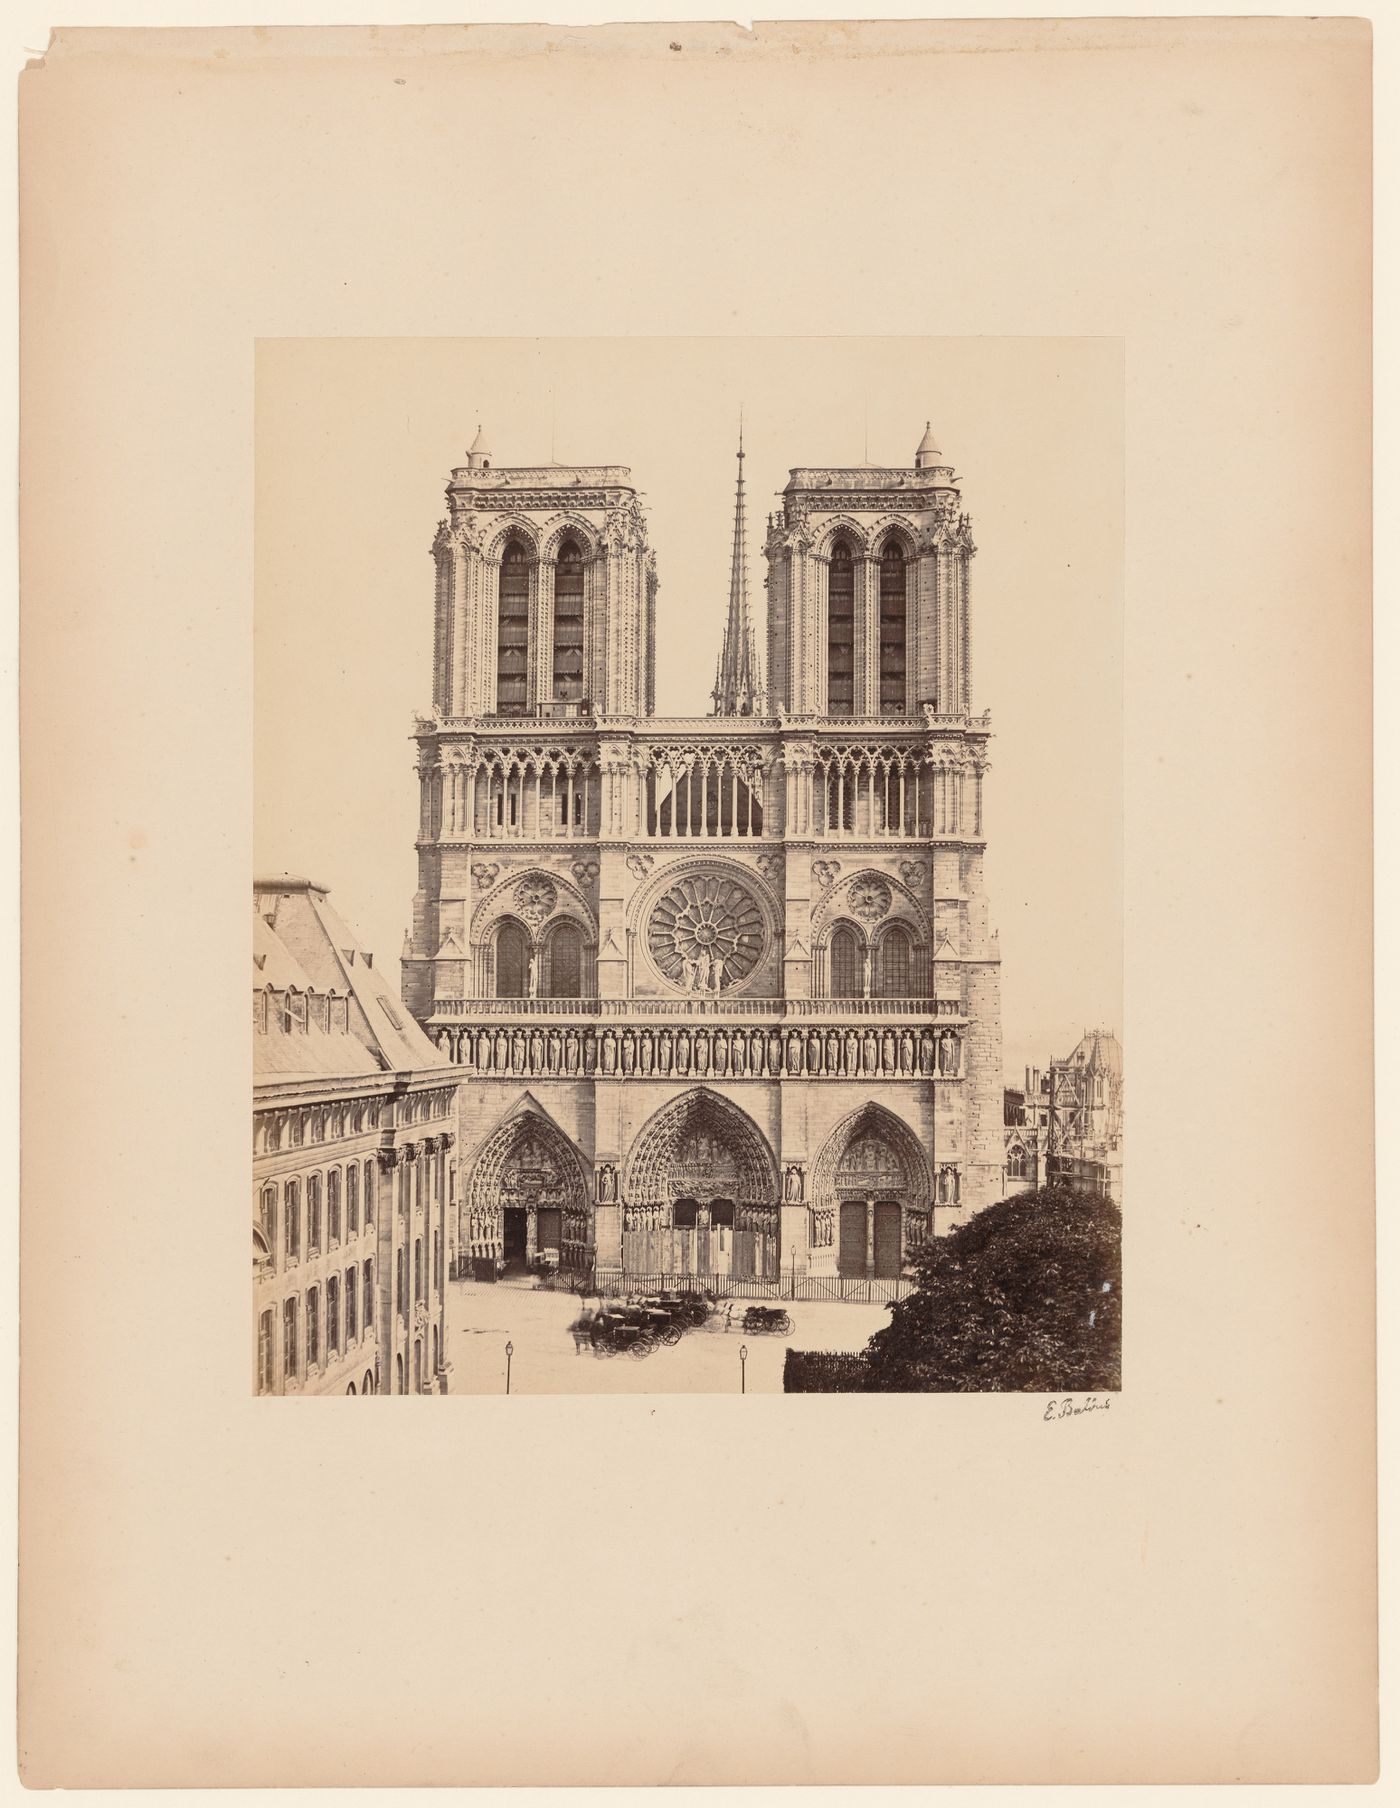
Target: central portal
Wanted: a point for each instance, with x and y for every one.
(700, 1194)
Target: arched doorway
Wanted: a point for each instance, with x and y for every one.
(870, 1196)
(527, 1198)
(367, 1385)
(700, 1193)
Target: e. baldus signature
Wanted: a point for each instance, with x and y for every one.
(1069, 1409)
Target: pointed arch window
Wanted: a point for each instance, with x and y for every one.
(845, 963)
(840, 631)
(568, 624)
(892, 630)
(513, 632)
(563, 963)
(512, 961)
(896, 963)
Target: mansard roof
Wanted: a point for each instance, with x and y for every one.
(315, 940)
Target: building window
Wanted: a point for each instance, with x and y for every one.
(568, 624)
(267, 1216)
(265, 1352)
(291, 1226)
(352, 1305)
(418, 1268)
(563, 963)
(352, 1202)
(401, 1283)
(369, 1195)
(513, 632)
(289, 1339)
(892, 619)
(845, 963)
(840, 632)
(260, 1012)
(896, 963)
(333, 1209)
(313, 1214)
(437, 1260)
(512, 960)
(332, 1315)
(1016, 1165)
(313, 1326)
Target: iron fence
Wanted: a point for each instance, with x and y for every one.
(867, 1290)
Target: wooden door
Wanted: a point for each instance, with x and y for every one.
(851, 1259)
(887, 1244)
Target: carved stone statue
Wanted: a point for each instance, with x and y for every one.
(609, 1042)
(607, 1184)
(792, 1188)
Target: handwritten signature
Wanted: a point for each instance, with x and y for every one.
(1067, 1409)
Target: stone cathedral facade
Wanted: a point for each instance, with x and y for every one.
(723, 989)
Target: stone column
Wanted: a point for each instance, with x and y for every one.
(865, 663)
(542, 635)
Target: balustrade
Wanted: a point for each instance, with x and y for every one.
(695, 1005)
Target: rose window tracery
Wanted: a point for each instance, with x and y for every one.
(706, 933)
(871, 898)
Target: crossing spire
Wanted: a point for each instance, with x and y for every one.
(739, 680)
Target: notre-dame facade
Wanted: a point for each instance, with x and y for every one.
(722, 990)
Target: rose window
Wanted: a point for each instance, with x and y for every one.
(706, 934)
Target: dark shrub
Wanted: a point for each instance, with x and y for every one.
(825, 1372)
(1025, 1297)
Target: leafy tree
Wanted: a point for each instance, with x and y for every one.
(1025, 1297)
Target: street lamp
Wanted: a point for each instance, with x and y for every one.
(792, 1286)
(743, 1376)
(509, 1349)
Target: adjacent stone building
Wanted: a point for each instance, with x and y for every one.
(353, 1122)
(1067, 1120)
(725, 988)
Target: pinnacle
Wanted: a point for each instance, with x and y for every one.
(738, 682)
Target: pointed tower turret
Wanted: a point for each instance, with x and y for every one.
(928, 453)
(479, 453)
(739, 679)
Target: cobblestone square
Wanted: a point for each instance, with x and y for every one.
(482, 1319)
